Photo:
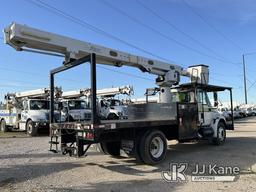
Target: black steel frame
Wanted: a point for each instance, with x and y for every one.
(92, 60)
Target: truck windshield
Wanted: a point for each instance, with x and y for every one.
(39, 104)
(114, 102)
(77, 105)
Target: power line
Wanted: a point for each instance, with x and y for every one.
(212, 26)
(67, 79)
(86, 25)
(178, 29)
(230, 75)
(160, 33)
(252, 85)
(249, 81)
(11, 85)
(18, 81)
(223, 81)
(125, 73)
(33, 74)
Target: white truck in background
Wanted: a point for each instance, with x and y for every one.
(109, 106)
(27, 111)
(76, 104)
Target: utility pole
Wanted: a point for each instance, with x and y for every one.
(245, 89)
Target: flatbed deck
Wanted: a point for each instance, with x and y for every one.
(116, 124)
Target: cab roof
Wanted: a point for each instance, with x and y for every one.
(208, 88)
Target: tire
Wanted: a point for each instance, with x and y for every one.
(111, 148)
(31, 129)
(3, 126)
(112, 116)
(153, 147)
(135, 153)
(221, 134)
(70, 119)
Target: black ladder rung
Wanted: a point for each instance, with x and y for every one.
(54, 142)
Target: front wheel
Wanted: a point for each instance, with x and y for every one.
(3, 126)
(221, 134)
(153, 147)
(31, 129)
(112, 116)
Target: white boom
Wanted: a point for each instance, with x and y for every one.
(33, 93)
(22, 37)
(126, 90)
(76, 93)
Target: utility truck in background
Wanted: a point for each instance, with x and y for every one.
(183, 111)
(76, 104)
(110, 107)
(28, 111)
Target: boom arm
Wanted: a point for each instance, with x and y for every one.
(108, 92)
(126, 90)
(21, 37)
(42, 93)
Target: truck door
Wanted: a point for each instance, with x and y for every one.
(24, 111)
(204, 108)
(11, 117)
(104, 108)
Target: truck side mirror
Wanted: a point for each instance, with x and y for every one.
(215, 97)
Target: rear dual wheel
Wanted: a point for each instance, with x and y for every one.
(152, 147)
(110, 148)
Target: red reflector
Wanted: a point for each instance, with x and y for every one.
(88, 135)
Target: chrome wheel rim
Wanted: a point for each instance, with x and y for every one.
(156, 147)
(30, 128)
(2, 126)
(221, 134)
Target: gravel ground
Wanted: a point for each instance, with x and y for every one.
(26, 165)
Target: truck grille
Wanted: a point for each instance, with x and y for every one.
(87, 116)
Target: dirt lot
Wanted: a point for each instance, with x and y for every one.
(26, 165)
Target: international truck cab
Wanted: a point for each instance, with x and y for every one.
(34, 115)
(27, 111)
(111, 108)
(211, 123)
(75, 110)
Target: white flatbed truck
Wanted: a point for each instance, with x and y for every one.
(145, 133)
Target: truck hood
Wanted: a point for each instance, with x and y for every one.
(38, 115)
(119, 109)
